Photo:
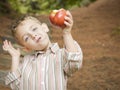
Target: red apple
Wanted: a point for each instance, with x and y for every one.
(57, 17)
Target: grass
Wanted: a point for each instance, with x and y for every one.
(116, 33)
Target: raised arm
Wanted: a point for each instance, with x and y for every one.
(67, 37)
(15, 53)
(72, 53)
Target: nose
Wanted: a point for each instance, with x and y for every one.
(33, 35)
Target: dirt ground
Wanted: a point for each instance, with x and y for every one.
(96, 29)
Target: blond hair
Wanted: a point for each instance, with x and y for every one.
(21, 19)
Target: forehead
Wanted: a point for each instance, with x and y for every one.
(28, 22)
(25, 26)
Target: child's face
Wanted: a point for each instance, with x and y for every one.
(33, 35)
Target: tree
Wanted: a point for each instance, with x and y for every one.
(39, 6)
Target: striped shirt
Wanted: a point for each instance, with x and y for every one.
(45, 70)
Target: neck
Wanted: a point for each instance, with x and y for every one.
(47, 48)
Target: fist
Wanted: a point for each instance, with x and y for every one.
(56, 17)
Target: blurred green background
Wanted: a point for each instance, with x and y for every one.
(39, 6)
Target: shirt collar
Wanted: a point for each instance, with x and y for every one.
(53, 48)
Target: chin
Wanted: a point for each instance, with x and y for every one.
(43, 46)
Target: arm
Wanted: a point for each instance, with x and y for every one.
(67, 37)
(15, 53)
(13, 77)
(72, 53)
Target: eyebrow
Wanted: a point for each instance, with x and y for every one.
(31, 27)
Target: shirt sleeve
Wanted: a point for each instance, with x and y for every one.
(13, 78)
(72, 61)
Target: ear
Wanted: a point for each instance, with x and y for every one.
(45, 27)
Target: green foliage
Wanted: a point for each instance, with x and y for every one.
(44, 6)
(115, 34)
(116, 31)
(4, 7)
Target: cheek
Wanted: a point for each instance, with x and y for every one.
(19, 41)
(46, 37)
(30, 46)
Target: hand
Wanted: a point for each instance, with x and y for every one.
(7, 46)
(68, 22)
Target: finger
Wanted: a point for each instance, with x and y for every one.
(11, 46)
(69, 20)
(3, 42)
(4, 48)
(67, 24)
(69, 14)
(6, 42)
(5, 45)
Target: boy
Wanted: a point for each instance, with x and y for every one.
(49, 67)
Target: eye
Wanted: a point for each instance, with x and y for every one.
(26, 38)
(34, 29)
